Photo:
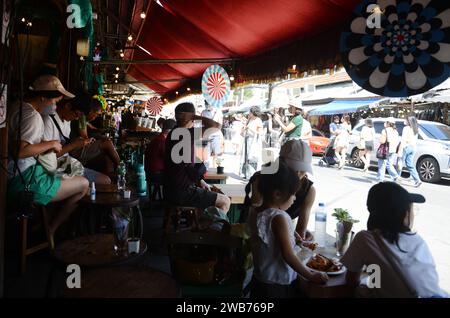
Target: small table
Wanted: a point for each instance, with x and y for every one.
(213, 177)
(236, 193)
(94, 251)
(336, 286)
(108, 197)
(124, 282)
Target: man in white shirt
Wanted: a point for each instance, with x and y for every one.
(57, 127)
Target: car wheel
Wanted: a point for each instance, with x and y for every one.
(356, 161)
(428, 169)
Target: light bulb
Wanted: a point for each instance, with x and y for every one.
(188, 89)
(130, 38)
(143, 15)
(122, 55)
(231, 78)
(23, 20)
(115, 81)
(117, 75)
(117, 68)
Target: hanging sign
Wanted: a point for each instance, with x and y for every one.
(398, 48)
(216, 86)
(154, 105)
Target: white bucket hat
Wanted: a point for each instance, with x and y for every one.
(297, 155)
(50, 83)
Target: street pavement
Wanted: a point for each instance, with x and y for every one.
(348, 189)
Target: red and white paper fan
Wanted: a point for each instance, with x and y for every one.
(154, 105)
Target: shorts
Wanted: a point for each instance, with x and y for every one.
(215, 146)
(90, 174)
(369, 146)
(44, 185)
(193, 196)
(88, 153)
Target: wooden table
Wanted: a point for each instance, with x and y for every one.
(213, 177)
(335, 287)
(108, 197)
(236, 193)
(94, 251)
(124, 282)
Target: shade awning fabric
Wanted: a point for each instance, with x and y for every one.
(343, 106)
(242, 29)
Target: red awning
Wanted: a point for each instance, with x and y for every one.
(223, 29)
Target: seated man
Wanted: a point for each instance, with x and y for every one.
(57, 127)
(100, 155)
(184, 184)
(155, 153)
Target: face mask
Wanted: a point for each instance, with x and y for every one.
(49, 110)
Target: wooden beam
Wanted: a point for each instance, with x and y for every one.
(148, 81)
(167, 61)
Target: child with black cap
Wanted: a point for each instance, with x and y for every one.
(407, 268)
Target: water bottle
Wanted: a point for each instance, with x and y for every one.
(93, 191)
(121, 171)
(141, 180)
(321, 225)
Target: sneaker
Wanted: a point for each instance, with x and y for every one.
(418, 184)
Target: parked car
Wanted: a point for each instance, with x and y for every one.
(432, 158)
(318, 142)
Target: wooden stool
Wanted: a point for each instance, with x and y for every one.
(173, 213)
(26, 250)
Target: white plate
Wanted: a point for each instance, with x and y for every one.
(339, 272)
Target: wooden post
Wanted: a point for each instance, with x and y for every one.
(3, 178)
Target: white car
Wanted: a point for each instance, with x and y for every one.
(432, 158)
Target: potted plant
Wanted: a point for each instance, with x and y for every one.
(219, 162)
(344, 233)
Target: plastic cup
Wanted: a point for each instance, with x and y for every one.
(126, 194)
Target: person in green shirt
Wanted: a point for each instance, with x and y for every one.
(294, 129)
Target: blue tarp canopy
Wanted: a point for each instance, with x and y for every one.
(343, 106)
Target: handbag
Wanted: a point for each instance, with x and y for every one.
(48, 161)
(69, 167)
(383, 149)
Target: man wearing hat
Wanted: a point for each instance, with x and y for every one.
(294, 129)
(184, 184)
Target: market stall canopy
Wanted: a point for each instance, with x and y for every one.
(264, 36)
(344, 106)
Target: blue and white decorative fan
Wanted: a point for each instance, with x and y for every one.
(216, 86)
(398, 48)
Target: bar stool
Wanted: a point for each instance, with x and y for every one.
(26, 250)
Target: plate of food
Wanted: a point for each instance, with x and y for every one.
(321, 263)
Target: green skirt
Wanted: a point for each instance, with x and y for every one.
(44, 186)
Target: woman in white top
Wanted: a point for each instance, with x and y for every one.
(401, 264)
(342, 140)
(408, 148)
(254, 138)
(388, 135)
(273, 240)
(367, 138)
(26, 144)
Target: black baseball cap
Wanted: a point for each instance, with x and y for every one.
(389, 195)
